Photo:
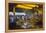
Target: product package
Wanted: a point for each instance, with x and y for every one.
(24, 16)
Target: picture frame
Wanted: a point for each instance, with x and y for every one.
(7, 8)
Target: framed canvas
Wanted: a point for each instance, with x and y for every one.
(24, 16)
